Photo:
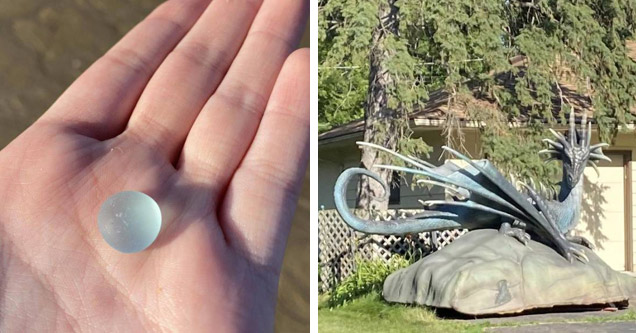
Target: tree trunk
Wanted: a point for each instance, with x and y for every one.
(382, 124)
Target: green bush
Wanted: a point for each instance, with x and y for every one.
(368, 277)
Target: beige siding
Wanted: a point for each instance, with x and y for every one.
(603, 220)
(633, 167)
(627, 142)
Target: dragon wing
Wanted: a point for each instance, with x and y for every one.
(507, 190)
(491, 195)
(489, 191)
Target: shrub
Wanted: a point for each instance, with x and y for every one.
(368, 277)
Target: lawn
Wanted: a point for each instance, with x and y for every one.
(370, 313)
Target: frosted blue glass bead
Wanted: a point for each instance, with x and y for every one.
(129, 221)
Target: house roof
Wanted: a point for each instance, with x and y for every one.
(436, 109)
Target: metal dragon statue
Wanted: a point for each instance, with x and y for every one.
(483, 198)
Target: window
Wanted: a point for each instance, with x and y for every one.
(394, 196)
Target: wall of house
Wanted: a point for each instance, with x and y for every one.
(603, 217)
(332, 160)
(627, 142)
(624, 142)
(633, 168)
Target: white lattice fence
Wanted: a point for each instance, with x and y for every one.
(339, 245)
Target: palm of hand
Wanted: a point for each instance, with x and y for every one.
(215, 263)
(58, 251)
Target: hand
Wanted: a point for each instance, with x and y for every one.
(202, 107)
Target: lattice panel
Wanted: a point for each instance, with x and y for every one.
(339, 245)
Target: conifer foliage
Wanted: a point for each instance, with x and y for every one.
(380, 59)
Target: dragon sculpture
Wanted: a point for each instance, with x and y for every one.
(483, 198)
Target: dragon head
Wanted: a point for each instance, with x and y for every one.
(575, 151)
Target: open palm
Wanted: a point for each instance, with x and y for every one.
(202, 107)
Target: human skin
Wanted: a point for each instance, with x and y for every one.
(205, 107)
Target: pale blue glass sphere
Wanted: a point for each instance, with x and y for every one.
(129, 221)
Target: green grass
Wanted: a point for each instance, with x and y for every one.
(370, 313)
(627, 316)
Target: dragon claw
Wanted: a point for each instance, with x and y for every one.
(519, 224)
(571, 251)
(580, 240)
(579, 255)
(588, 244)
(515, 232)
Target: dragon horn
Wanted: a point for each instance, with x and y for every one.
(572, 133)
(589, 133)
(549, 151)
(599, 145)
(600, 157)
(598, 174)
(585, 135)
(554, 144)
(559, 137)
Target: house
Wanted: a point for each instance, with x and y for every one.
(609, 207)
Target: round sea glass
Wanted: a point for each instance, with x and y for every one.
(129, 221)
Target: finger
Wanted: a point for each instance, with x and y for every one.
(226, 126)
(262, 195)
(99, 102)
(185, 80)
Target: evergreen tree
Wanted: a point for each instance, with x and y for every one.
(379, 59)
